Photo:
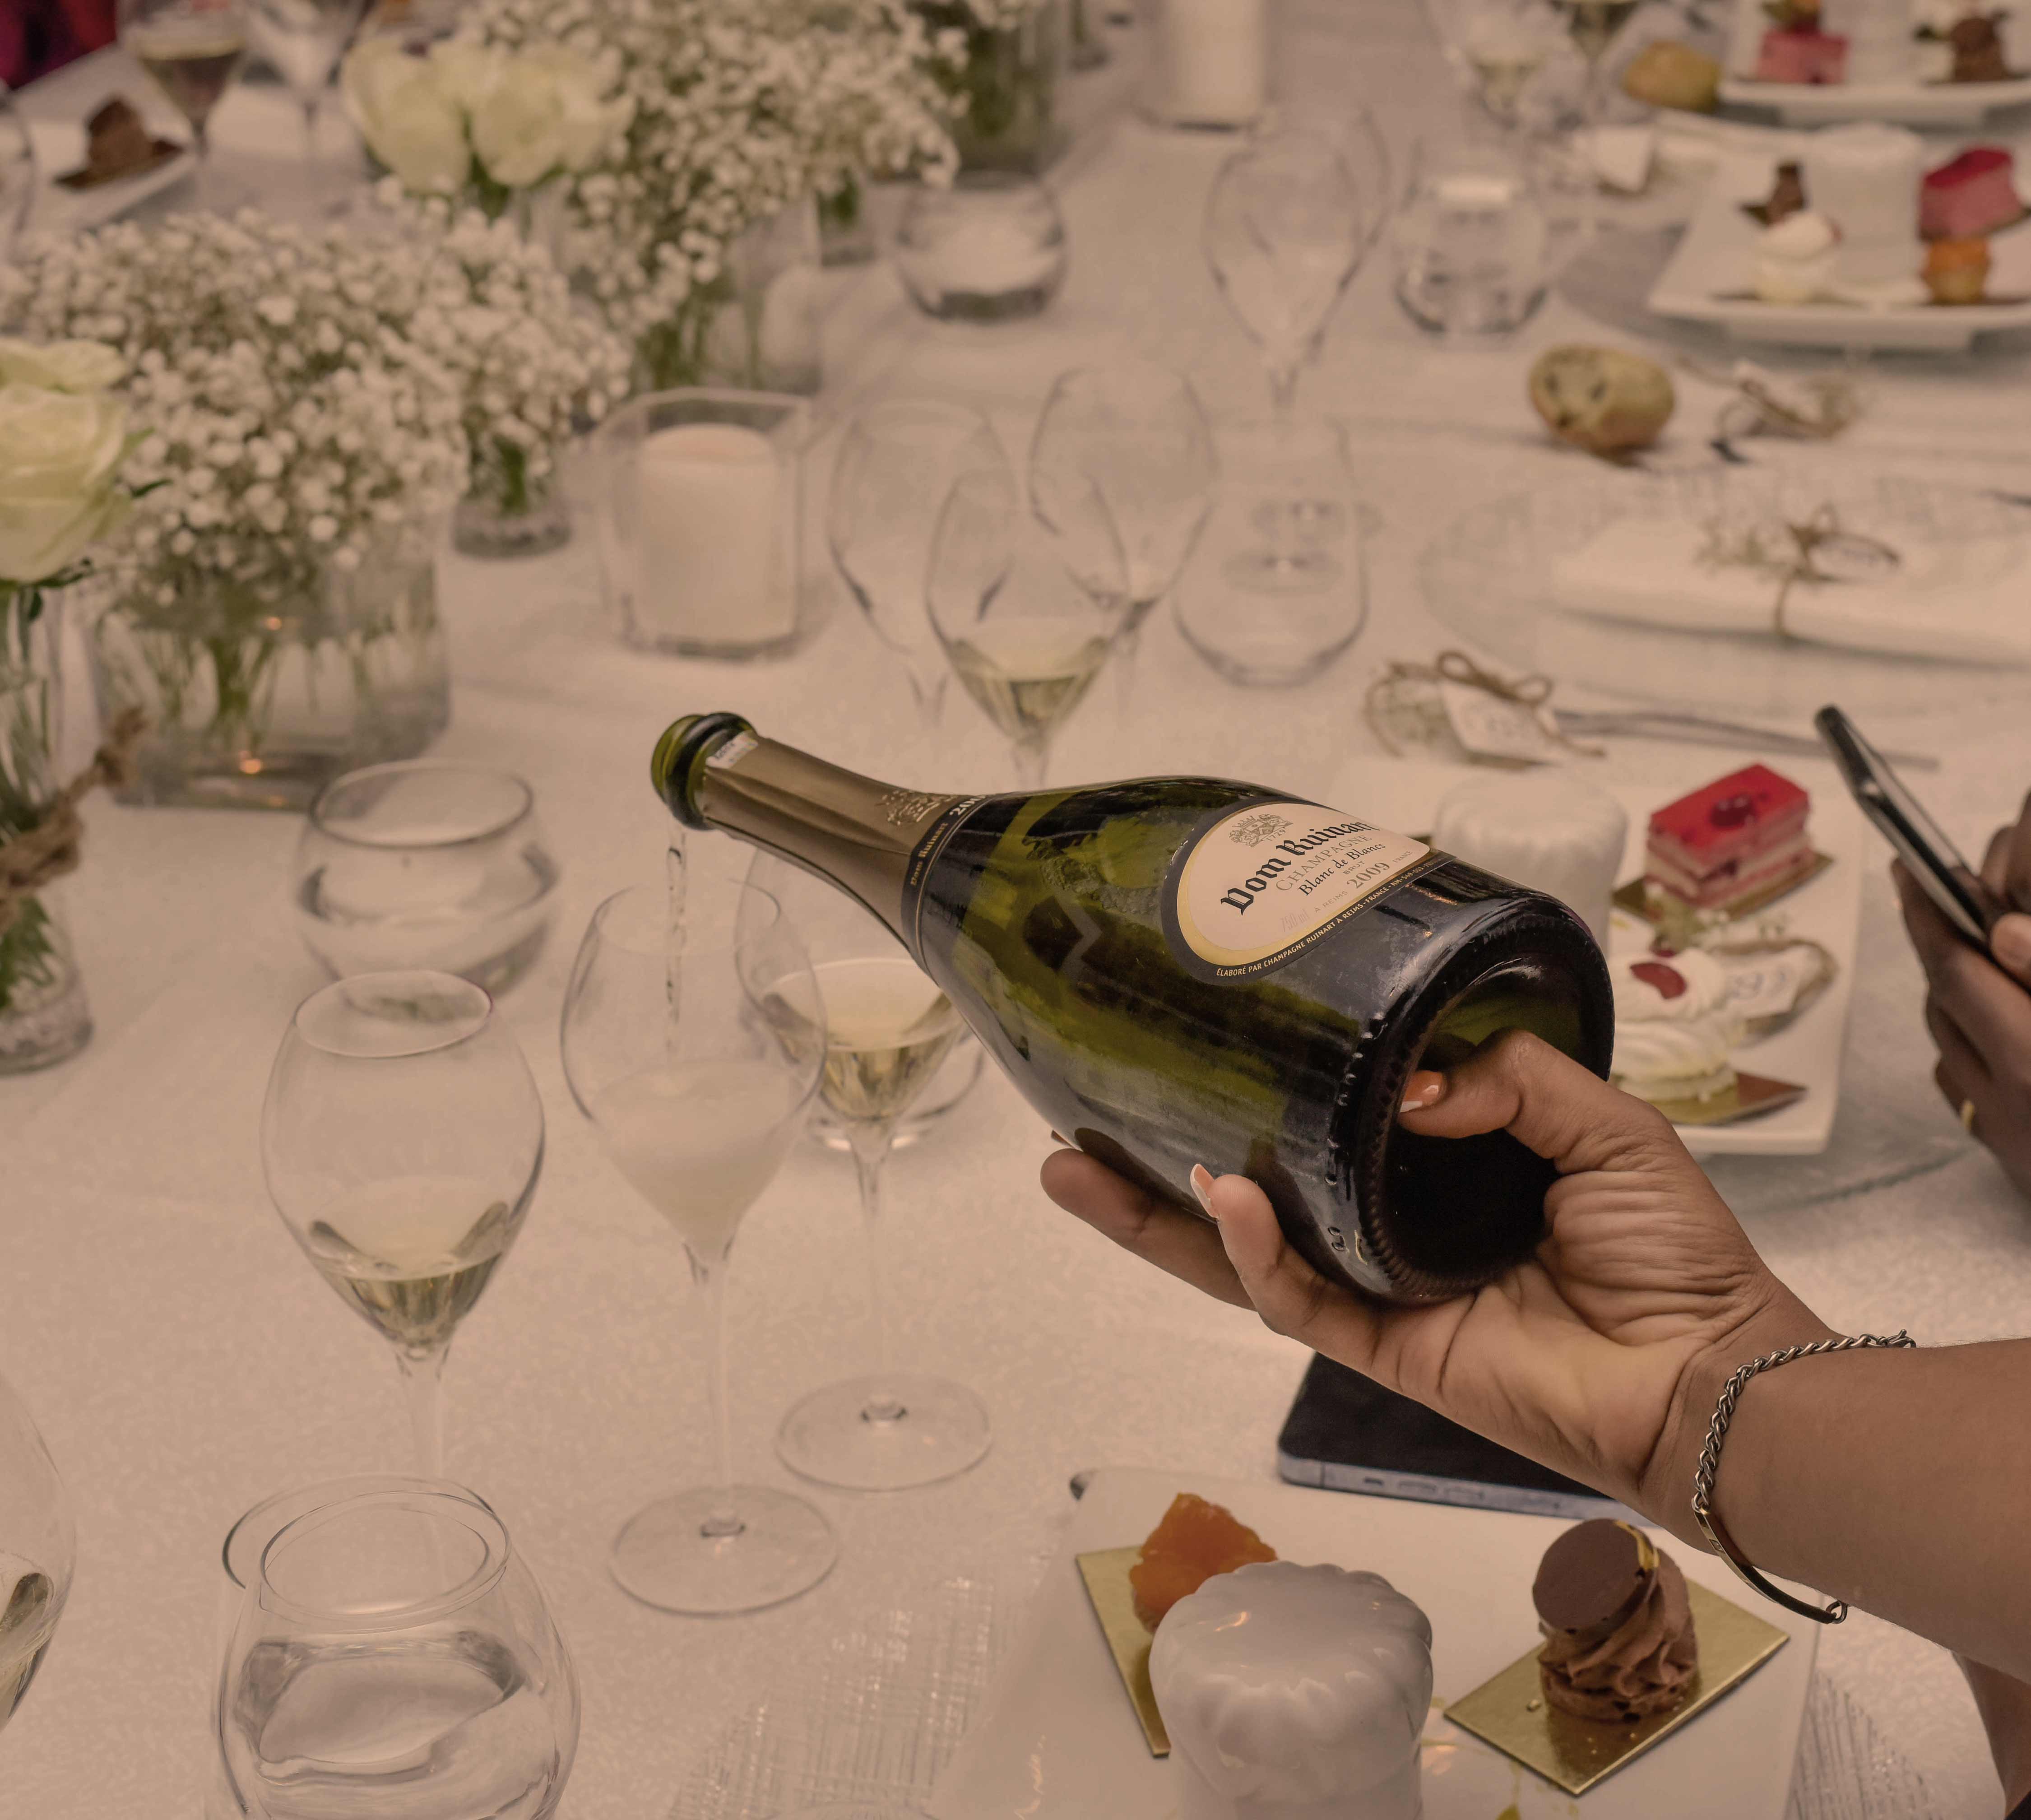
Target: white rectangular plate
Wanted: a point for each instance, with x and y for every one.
(1057, 1739)
(1907, 103)
(60, 147)
(1708, 281)
(1403, 793)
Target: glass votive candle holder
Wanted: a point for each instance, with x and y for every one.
(1475, 246)
(425, 865)
(1277, 588)
(991, 248)
(700, 516)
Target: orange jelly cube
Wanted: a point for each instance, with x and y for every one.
(1195, 1540)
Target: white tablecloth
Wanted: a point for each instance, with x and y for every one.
(184, 1361)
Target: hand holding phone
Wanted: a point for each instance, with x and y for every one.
(1974, 943)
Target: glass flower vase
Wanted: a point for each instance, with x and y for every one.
(512, 508)
(258, 695)
(756, 326)
(43, 1016)
(1008, 92)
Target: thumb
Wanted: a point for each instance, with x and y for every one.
(2010, 943)
(1544, 1098)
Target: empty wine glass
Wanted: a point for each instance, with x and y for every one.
(402, 1138)
(1023, 635)
(1349, 127)
(303, 40)
(898, 461)
(193, 49)
(694, 1046)
(1286, 226)
(888, 1032)
(38, 1549)
(1593, 25)
(17, 173)
(1122, 471)
(393, 1658)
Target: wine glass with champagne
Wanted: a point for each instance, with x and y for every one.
(192, 49)
(38, 1549)
(887, 1031)
(898, 460)
(402, 1138)
(1024, 636)
(691, 1040)
(1122, 471)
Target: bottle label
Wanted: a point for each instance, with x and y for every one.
(1256, 886)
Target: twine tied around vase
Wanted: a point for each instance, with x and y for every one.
(1810, 541)
(37, 856)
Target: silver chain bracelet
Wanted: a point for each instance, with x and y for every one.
(1703, 1480)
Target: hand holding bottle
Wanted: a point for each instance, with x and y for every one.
(1593, 1357)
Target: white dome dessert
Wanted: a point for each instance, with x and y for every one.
(1294, 1693)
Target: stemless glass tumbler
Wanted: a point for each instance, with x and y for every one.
(38, 1549)
(392, 1658)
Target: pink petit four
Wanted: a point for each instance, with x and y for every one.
(1742, 833)
(1969, 195)
(1817, 57)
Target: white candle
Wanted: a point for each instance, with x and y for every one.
(1209, 65)
(714, 551)
(1865, 178)
(1550, 830)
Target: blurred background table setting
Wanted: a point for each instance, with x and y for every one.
(409, 407)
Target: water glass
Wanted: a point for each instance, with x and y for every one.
(700, 516)
(393, 1659)
(990, 248)
(1476, 247)
(420, 864)
(1280, 589)
(38, 1551)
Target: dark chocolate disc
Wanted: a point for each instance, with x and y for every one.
(1594, 1575)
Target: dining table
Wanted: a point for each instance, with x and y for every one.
(183, 1362)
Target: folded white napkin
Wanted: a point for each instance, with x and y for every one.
(1968, 601)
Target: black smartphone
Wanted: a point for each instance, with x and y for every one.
(1953, 885)
(1347, 1433)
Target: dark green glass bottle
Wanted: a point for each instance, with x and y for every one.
(1183, 970)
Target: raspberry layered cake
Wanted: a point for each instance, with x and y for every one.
(1735, 845)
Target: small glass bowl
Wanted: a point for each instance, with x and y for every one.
(425, 865)
(990, 249)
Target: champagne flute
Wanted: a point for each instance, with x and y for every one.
(895, 467)
(1593, 26)
(392, 1658)
(401, 1139)
(18, 181)
(1286, 227)
(1023, 635)
(694, 1049)
(303, 40)
(888, 1030)
(193, 49)
(1349, 127)
(1132, 439)
(38, 1549)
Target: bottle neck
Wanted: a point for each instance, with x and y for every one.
(856, 832)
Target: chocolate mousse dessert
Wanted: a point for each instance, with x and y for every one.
(1618, 1624)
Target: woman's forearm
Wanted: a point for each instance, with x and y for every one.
(1897, 1481)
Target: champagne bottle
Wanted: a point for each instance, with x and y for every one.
(1183, 970)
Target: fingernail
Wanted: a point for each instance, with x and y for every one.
(1202, 1186)
(1062, 1139)
(1423, 1089)
(2010, 941)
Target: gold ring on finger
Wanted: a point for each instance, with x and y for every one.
(1967, 1116)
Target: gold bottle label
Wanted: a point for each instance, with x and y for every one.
(1259, 885)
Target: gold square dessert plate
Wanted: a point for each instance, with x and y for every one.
(1059, 1737)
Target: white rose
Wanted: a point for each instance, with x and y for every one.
(467, 72)
(409, 122)
(59, 452)
(61, 366)
(592, 124)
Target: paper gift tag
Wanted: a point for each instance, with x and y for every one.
(1490, 726)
